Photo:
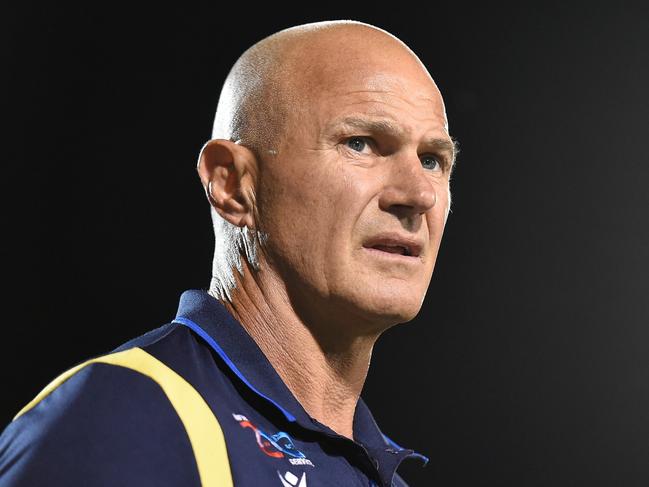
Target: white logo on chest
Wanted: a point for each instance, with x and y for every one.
(290, 480)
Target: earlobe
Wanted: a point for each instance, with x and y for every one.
(227, 171)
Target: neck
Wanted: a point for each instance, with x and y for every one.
(321, 363)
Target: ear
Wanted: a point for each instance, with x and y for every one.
(228, 172)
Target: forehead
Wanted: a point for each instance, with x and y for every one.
(379, 80)
(410, 105)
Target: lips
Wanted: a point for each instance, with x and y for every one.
(394, 244)
(393, 249)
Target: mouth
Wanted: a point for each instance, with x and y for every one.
(394, 244)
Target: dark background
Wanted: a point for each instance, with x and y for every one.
(528, 364)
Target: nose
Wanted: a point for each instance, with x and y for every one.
(409, 191)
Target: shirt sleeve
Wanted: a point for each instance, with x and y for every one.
(105, 426)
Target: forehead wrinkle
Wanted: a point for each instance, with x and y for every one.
(372, 125)
(353, 92)
(375, 110)
(384, 122)
(420, 98)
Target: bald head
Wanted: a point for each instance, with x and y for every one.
(286, 94)
(278, 77)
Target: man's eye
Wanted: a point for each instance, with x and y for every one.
(357, 144)
(430, 162)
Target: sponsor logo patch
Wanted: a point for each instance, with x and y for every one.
(279, 445)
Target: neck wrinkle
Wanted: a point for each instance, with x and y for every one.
(325, 375)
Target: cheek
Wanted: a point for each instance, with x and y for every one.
(308, 214)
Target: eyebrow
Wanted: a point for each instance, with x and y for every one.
(449, 147)
(372, 125)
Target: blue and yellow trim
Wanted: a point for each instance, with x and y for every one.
(202, 427)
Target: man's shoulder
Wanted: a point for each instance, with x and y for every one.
(157, 335)
(140, 370)
(112, 417)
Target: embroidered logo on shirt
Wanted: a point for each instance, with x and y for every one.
(278, 445)
(290, 480)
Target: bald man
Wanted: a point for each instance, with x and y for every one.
(328, 179)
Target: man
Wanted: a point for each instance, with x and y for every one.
(328, 178)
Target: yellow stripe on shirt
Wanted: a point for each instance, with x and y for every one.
(203, 429)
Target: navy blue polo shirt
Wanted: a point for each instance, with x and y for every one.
(194, 402)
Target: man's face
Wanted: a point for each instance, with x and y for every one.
(356, 199)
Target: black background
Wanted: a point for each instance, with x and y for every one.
(528, 364)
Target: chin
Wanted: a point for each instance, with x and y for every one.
(386, 294)
(389, 308)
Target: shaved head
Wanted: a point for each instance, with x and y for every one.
(283, 86)
(277, 76)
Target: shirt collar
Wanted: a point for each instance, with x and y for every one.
(209, 318)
